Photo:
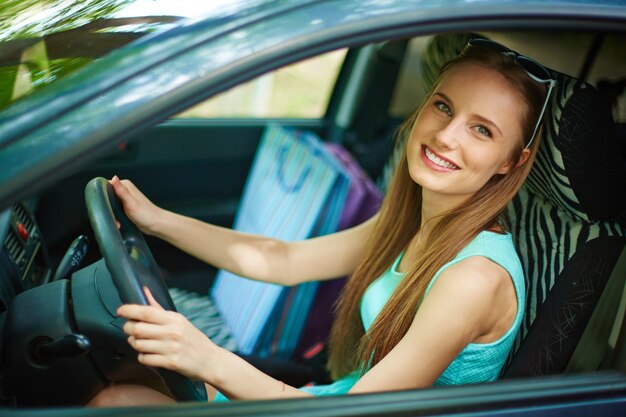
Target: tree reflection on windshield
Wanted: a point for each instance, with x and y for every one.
(44, 40)
(41, 41)
(33, 18)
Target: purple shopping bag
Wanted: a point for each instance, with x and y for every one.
(363, 202)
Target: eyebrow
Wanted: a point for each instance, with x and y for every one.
(476, 116)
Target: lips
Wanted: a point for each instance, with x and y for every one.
(437, 161)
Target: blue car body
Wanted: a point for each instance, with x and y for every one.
(59, 129)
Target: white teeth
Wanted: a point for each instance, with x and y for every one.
(433, 158)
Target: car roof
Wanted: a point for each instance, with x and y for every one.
(49, 133)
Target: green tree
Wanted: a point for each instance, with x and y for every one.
(37, 18)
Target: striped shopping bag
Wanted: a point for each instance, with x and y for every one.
(363, 201)
(295, 190)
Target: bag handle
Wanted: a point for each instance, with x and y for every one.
(280, 171)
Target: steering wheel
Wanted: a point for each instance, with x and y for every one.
(132, 266)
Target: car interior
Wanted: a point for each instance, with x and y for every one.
(568, 221)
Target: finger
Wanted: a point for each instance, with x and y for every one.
(143, 330)
(147, 314)
(119, 188)
(128, 184)
(130, 187)
(151, 300)
(114, 180)
(148, 345)
(155, 360)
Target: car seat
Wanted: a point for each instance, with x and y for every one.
(568, 223)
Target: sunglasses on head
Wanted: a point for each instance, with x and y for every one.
(534, 69)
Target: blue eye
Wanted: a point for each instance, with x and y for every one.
(443, 107)
(482, 130)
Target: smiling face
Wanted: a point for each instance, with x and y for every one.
(466, 132)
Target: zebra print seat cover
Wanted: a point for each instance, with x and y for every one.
(567, 221)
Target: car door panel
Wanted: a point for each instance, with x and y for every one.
(193, 167)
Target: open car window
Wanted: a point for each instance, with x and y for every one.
(301, 90)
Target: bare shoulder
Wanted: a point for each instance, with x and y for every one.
(474, 299)
(482, 293)
(476, 274)
(479, 289)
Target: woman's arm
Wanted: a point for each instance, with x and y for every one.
(471, 301)
(252, 256)
(166, 339)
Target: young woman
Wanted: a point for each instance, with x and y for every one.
(436, 291)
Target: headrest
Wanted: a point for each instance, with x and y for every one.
(579, 166)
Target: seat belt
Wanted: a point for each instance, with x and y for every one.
(602, 340)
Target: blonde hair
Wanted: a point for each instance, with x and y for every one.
(351, 349)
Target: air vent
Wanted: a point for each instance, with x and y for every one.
(14, 247)
(22, 216)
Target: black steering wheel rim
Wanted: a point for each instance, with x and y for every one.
(132, 266)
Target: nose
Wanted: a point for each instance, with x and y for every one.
(448, 134)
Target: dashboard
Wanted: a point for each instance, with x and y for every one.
(24, 260)
(60, 340)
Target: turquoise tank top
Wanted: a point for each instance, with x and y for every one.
(477, 362)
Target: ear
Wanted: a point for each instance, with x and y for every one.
(521, 161)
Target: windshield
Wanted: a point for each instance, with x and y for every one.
(44, 40)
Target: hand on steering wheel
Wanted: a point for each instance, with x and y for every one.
(166, 339)
(131, 265)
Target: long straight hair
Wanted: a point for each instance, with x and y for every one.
(351, 348)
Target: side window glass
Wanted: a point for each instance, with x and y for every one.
(410, 88)
(608, 74)
(300, 90)
(569, 56)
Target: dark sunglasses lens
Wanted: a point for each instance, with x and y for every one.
(531, 66)
(534, 68)
(489, 44)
